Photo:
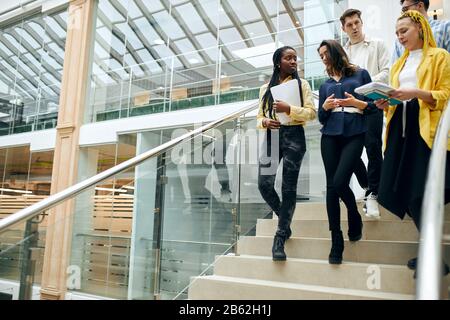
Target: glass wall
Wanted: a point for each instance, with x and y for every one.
(31, 63)
(158, 56)
(25, 178)
(103, 221)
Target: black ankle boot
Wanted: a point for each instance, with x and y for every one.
(278, 253)
(337, 247)
(288, 233)
(412, 264)
(355, 230)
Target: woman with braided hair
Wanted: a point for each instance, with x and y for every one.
(421, 77)
(282, 141)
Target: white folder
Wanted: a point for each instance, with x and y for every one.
(288, 92)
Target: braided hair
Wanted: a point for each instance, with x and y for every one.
(275, 80)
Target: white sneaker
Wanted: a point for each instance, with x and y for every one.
(362, 197)
(372, 207)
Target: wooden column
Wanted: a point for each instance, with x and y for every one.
(75, 80)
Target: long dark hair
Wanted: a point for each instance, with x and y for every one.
(267, 99)
(340, 63)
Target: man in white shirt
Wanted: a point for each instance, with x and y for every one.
(372, 55)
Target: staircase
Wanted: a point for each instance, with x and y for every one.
(373, 268)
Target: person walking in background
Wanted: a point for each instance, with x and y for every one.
(439, 28)
(342, 114)
(422, 79)
(287, 144)
(372, 55)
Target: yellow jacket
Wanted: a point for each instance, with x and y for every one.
(433, 74)
(299, 115)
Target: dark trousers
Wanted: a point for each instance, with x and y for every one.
(287, 143)
(340, 155)
(370, 178)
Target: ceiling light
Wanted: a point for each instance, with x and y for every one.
(258, 56)
(158, 41)
(193, 61)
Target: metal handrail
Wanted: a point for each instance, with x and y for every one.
(69, 192)
(429, 268)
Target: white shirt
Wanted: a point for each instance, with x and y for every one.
(408, 75)
(408, 79)
(372, 55)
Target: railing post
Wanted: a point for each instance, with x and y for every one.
(28, 259)
(237, 210)
(158, 222)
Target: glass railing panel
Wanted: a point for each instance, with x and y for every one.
(312, 181)
(21, 259)
(110, 94)
(251, 205)
(11, 108)
(310, 185)
(47, 115)
(38, 111)
(199, 205)
(149, 88)
(232, 72)
(102, 224)
(12, 241)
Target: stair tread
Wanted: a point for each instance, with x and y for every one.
(328, 239)
(316, 261)
(369, 251)
(315, 288)
(372, 230)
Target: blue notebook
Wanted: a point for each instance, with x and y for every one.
(375, 95)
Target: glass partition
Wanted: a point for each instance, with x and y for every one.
(168, 56)
(31, 59)
(25, 178)
(159, 56)
(232, 77)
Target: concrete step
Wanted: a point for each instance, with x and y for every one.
(373, 230)
(226, 288)
(317, 211)
(365, 251)
(349, 275)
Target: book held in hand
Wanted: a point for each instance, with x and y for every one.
(376, 91)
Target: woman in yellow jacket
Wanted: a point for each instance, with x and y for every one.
(283, 141)
(421, 77)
